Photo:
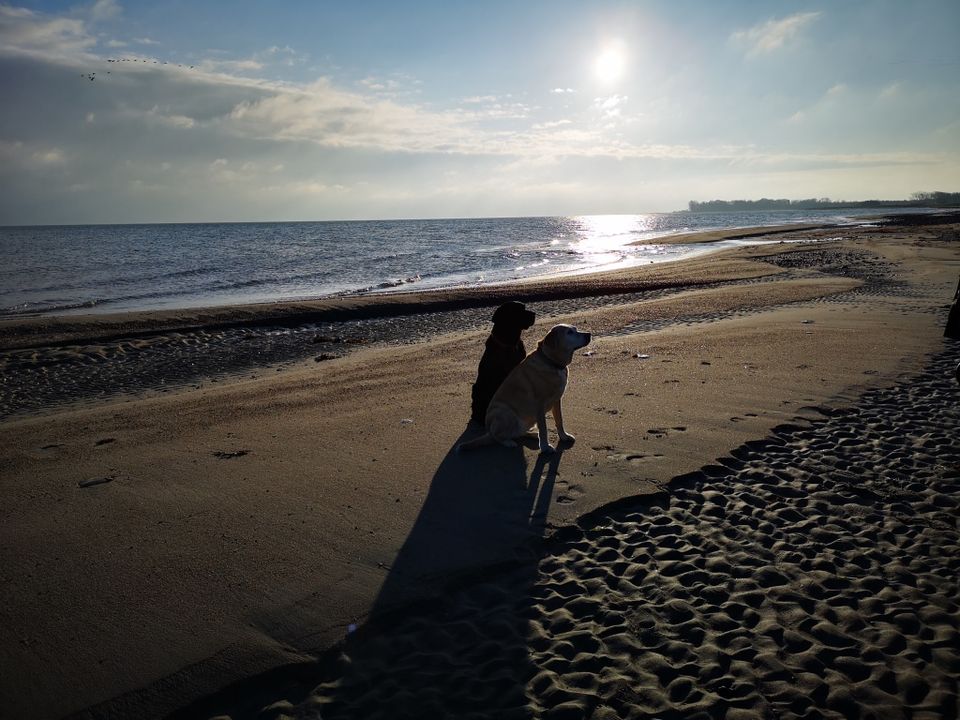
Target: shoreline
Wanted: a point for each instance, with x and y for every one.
(261, 310)
(96, 360)
(36, 330)
(296, 504)
(57, 362)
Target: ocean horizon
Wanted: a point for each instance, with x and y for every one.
(76, 269)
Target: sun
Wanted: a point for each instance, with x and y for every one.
(611, 63)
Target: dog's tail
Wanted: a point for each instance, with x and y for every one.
(485, 439)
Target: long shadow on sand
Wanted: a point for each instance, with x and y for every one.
(431, 647)
(482, 509)
(482, 517)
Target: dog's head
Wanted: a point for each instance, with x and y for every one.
(561, 342)
(514, 315)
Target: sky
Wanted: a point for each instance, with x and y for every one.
(247, 110)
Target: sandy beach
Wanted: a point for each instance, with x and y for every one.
(258, 511)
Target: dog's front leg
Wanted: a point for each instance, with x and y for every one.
(558, 419)
(545, 446)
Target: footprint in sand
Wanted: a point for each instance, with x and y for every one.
(630, 456)
(105, 441)
(664, 432)
(608, 411)
(50, 450)
(568, 493)
(91, 482)
(641, 457)
(221, 455)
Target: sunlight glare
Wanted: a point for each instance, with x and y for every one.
(611, 62)
(607, 233)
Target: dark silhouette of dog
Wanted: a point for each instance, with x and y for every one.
(504, 351)
(953, 318)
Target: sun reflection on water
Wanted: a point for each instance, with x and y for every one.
(606, 242)
(606, 232)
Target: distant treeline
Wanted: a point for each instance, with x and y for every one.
(917, 199)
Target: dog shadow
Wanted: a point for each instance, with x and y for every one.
(448, 632)
(483, 508)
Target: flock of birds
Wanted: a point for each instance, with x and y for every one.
(91, 76)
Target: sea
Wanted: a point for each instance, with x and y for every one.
(82, 269)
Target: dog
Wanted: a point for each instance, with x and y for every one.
(530, 390)
(504, 351)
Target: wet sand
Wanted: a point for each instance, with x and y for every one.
(714, 518)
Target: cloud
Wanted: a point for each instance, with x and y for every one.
(104, 10)
(492, 107)
(610, 107)
(53, 156)
(772, 34)
(24, 32)
(798, 117)
(224, 101)
(247, 65)
(228, 139)
(396, 86)
(145, 41)
(551, 124)
(253, 65)
(326, 115)
(890, 91)
(169, 119)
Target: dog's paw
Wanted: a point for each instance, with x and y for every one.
(567, 439)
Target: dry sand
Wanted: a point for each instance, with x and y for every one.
(791, 579)
(155, 550)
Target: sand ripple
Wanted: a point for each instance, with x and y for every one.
(812, 574)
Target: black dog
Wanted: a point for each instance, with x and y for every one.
(504, 352)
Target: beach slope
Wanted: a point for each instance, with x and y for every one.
(157, 550)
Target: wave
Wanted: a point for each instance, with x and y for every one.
(43, 307)
(386, 285)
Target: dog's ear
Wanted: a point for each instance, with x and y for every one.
(550, 343)
(509, 312)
